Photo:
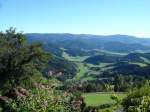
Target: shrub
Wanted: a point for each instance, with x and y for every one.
(138, 100)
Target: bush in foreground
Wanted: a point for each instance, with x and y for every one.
(138, 100)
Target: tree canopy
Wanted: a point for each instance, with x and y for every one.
(19, 59)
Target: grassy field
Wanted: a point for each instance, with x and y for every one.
(74, 58)
(140, 64)
(146, 60)
(95, 99)
(82, 70)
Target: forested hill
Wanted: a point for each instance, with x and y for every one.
(93, 57)
(73, 67)
(82, 42)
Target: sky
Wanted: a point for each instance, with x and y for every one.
(102, 17)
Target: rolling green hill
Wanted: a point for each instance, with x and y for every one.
(96, 58)
(79, 44)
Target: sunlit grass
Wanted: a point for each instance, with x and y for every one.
(95, 99)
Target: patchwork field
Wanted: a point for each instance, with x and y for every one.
(94, 67)
(95, 99)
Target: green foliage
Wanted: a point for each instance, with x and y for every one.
(122, 83)
(138, 100)
(67, 68)
(43, 100)
(22, 65)
(18, 59)
(115, 98)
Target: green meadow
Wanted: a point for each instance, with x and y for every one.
(95, 99)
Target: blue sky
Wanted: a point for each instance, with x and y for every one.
(103, 17)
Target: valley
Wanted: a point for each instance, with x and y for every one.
(74, 56)
(96, 58)
(88, 71)
(103, 64)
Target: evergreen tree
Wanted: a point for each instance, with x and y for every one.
(18, 59)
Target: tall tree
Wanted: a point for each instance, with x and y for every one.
(19, 59)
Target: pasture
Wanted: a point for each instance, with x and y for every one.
(95, 99)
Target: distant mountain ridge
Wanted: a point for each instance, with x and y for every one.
(95, 56)
(117, 37)
(112, 43)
